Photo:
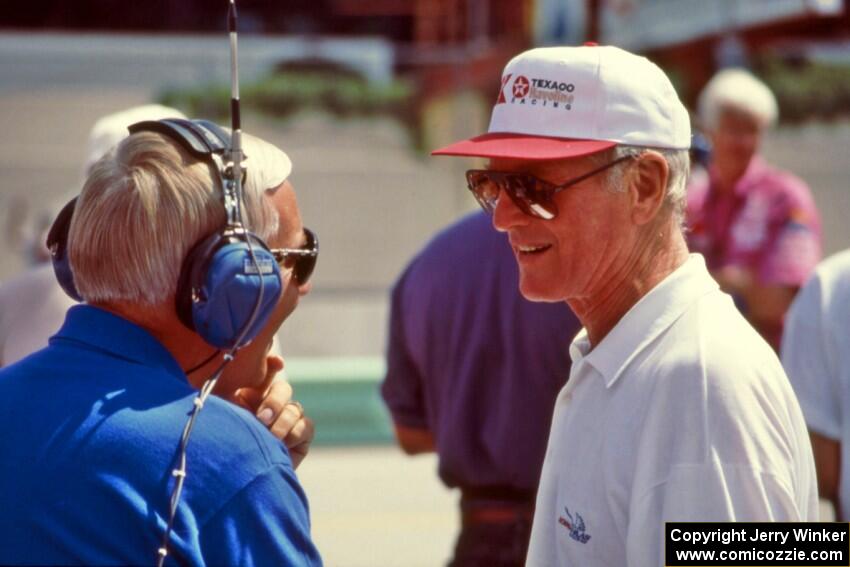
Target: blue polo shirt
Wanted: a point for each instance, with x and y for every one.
(90, 429)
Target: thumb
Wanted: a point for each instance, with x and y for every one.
(248, 398)
(274, 364)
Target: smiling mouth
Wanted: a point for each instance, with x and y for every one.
(529, 250)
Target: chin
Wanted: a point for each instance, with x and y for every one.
(533, 291)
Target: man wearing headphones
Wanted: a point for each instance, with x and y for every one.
(92, 424)
(33, 304)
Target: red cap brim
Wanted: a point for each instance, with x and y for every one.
(523, 146)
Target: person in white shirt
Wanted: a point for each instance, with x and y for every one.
(675, 409)
(816, 355)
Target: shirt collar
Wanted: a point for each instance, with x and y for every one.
(649, 317)
(120, 337)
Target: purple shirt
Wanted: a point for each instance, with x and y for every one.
(768, 224)
(474, 362)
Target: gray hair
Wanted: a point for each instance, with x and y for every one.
(144, 205)
(740, 90)
(678, 162)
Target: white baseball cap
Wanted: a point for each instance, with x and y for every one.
(268, 166)
(562, 102)
(109, 130)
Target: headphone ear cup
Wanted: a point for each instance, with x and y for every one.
(220, 285)
(190, 276)
(57, 243)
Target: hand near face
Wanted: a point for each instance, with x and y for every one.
(274, 407)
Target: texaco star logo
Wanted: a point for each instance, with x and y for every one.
(521, 86)
(502, 98)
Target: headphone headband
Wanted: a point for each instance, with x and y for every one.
(229, 282)
(208, 142)
(201, 138)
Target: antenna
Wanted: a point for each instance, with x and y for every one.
(235, 117)
(232, 189)
(234, 155)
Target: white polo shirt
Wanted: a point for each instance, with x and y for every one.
(681, 413)
(816, 355)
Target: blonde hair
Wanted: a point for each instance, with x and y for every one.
(144, 205)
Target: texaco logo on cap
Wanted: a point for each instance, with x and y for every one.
(505, 79)
(521, 87)
(537, 91)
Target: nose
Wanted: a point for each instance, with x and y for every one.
(305, 289)
(507, 215)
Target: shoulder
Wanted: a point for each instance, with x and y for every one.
(713, 359)
(827, 293)
(784, 187)
(230, 452)
(834, 272)
(727, 394)
(238, 437)
(266, 522)
(714, 324)
(243, 492)
(821, 305)
(227, 449)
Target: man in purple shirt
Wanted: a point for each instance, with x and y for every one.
(473, 370)
(757, 226)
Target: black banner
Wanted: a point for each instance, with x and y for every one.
(762, 544)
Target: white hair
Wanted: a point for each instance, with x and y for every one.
(678, 163)
(146, 203)
(740, 90)
(109, 130)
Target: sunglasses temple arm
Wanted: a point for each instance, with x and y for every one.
(594, 172)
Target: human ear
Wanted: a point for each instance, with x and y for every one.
(647, 184)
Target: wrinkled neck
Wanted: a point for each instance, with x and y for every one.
(655, 255)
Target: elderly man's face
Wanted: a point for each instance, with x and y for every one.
(570, 256)
(735, 141)
(248, 369)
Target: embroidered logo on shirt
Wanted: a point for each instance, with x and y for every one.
(575, 526)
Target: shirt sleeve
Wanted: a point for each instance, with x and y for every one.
(402, 388)
(807, 363)
(726, 493)
(265, 523)
(795, 246)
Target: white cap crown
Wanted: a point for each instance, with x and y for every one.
(590, 93)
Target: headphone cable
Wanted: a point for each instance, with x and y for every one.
(204, 363)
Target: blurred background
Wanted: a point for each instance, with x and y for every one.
(358, 92)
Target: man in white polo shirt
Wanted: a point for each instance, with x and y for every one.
(816, 355)
(676, 409)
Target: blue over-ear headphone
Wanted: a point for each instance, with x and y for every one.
(229, 282)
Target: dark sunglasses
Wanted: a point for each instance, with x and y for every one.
(302, 260)
(532, 195)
